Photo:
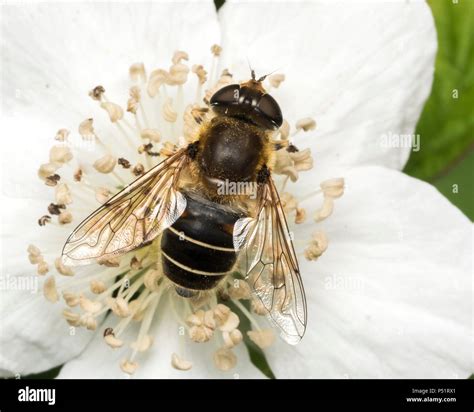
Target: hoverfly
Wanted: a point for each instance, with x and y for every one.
(204, 235)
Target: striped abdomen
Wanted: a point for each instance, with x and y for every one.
(197, 250)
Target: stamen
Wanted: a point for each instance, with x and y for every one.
(216, 51)
(52, 180)
(88, 321)
(34, 254)
(305, 124)
(65, 217)
(317, 246)
(89, 306)
(97, 92)
(291, 163)
(263, 338)
(55, 209)
(284, 130)
(201, 74)
(42, 268)
(142, 344)
(180, 363)
(60, 154)
(169, 114)
(119, 306)
(111, 340)
(131, 142)
(78, 175)
(63, 194)
(232, 338)
(46, 170)
(62, 135)
(71, 299)
(43, 220)
(71, 317)
(178, 73)
(142, 302)
(137, 72)
(128, 366)
(138, 169)
(202, 326)
(225, 318)
(333, 187)
(49, 289)
(114, 111)
(102, 194)
(300, 215)
(135, 306)
(157, 79)
(144, 341)
(225, 359)
(105, 164)
(62, 268)
(86, 130)
(152, 135)
(151, 280)
(247, 314)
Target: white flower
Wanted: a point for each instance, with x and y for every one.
(390, 297)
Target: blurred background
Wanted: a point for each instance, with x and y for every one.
(446, 126)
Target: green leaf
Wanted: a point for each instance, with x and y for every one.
(257, 356)
(219, 3)
(447, 123)
(458, 185)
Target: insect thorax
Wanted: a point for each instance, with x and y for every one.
(232, 149)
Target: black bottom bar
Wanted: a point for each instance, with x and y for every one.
(402, 394)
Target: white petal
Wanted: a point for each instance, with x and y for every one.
(362, 70)
(33, 335)
(53, 54)
(392, 295)
(100, 361)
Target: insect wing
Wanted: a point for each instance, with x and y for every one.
(271, 266)
(132, 217)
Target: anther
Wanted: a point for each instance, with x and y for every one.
(105, 164)
(97, 92)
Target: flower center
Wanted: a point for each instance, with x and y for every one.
(159, 118)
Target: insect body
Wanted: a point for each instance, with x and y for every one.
(198, 250)
(206, 234)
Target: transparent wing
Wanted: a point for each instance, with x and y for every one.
(270, 264)
(132, 217)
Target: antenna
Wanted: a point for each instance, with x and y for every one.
(252, 71)
(261, 79)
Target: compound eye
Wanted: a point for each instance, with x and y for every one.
(270, 110)
(227, 96)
